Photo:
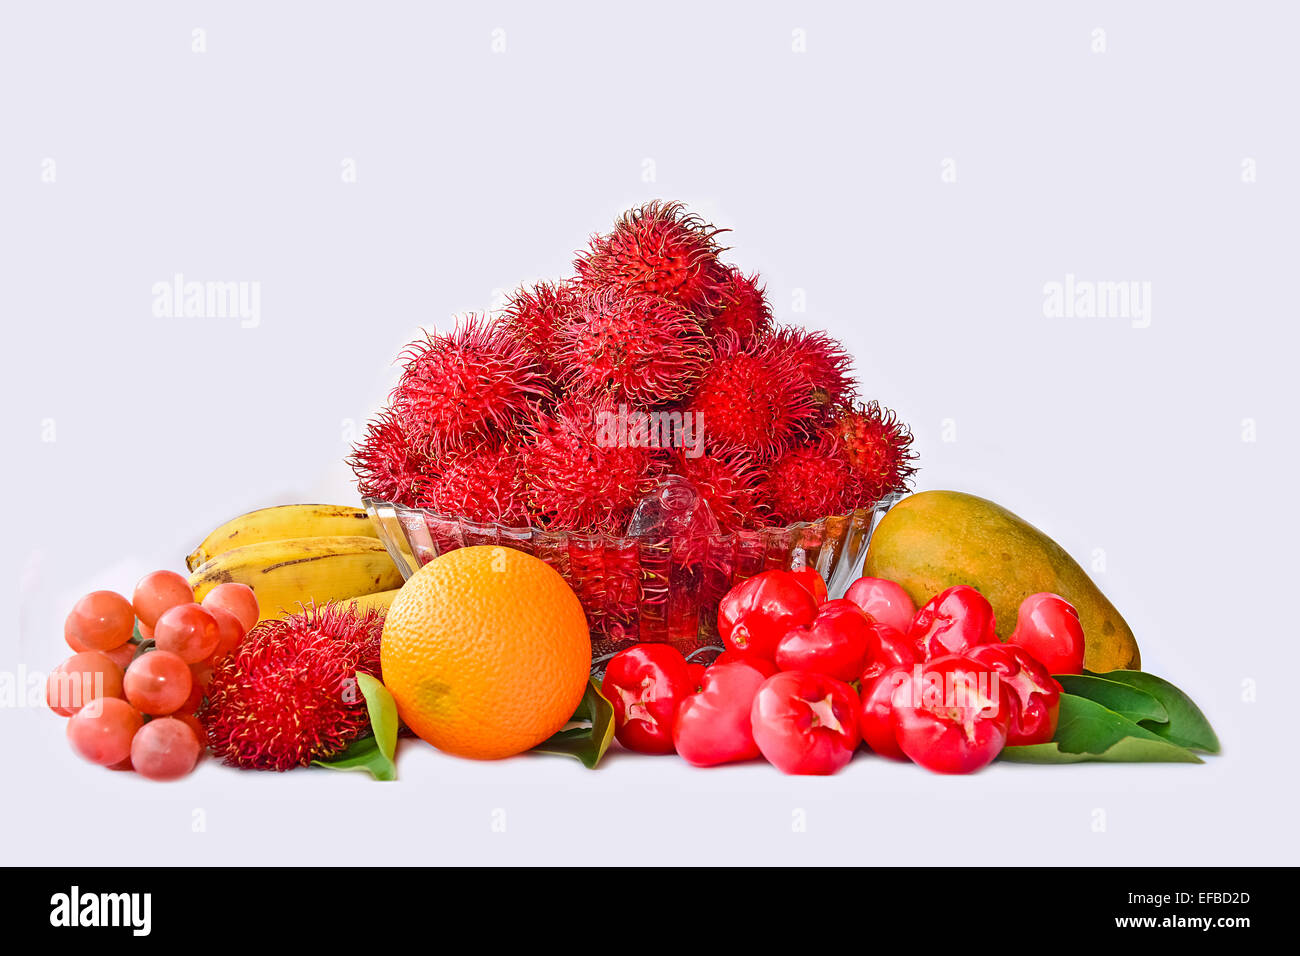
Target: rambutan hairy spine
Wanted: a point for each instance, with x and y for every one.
(387, 467)
(657, 248)
(460, 386)
(579, 478)
(821, 363)
(532, 314)
(753, 398)
(729, 480)
(741, 308)
(643, 348)
(808, 482)
(482, 485)
(877, 446)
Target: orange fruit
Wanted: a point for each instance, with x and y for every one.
(486, 652)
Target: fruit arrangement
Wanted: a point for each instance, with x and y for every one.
(656, 365)
(634, 469)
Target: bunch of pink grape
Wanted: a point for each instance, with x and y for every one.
(131, 690)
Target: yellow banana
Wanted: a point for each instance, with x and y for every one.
(284, 574)
(379, 601)
(279, 523)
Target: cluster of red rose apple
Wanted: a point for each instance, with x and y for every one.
(130, 690)
(805, 680)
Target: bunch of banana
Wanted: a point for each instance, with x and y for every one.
(296, 554)
(277, 524)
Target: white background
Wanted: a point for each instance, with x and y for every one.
(479, 169)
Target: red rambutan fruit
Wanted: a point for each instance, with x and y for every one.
(386, 466)
(729, 482)
(532, 315)
(808, 482)
(483, 485)
(642, 348)
(742, 308)
(457, 387)
(822, 363)
(753, 398)
(287, 694)
(580, 474)
(660, 249)
(877, 446)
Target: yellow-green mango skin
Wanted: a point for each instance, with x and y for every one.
(937, 539)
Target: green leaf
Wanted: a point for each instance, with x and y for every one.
(383, 713)
(363, 754)
(1088, 731)
(374, 753)
(136, 636)
(588, 734)
(1186, 725)
(1125, 700)
(1086, 726)
(1125, 750)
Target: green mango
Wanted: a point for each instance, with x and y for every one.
(937, 539)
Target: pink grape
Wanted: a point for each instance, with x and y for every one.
(80, 679)
(229, 630)
(102, 732)
(188, 631)
(157, 682)
(196, 725)
(122, 656)
(236, 598)
(164, 749)
(100, 621)
(157, 593)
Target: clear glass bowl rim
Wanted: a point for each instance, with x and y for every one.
(883, 504)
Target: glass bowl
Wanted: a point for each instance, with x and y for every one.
(645, 587)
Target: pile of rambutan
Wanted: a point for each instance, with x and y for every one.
(510, 418)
